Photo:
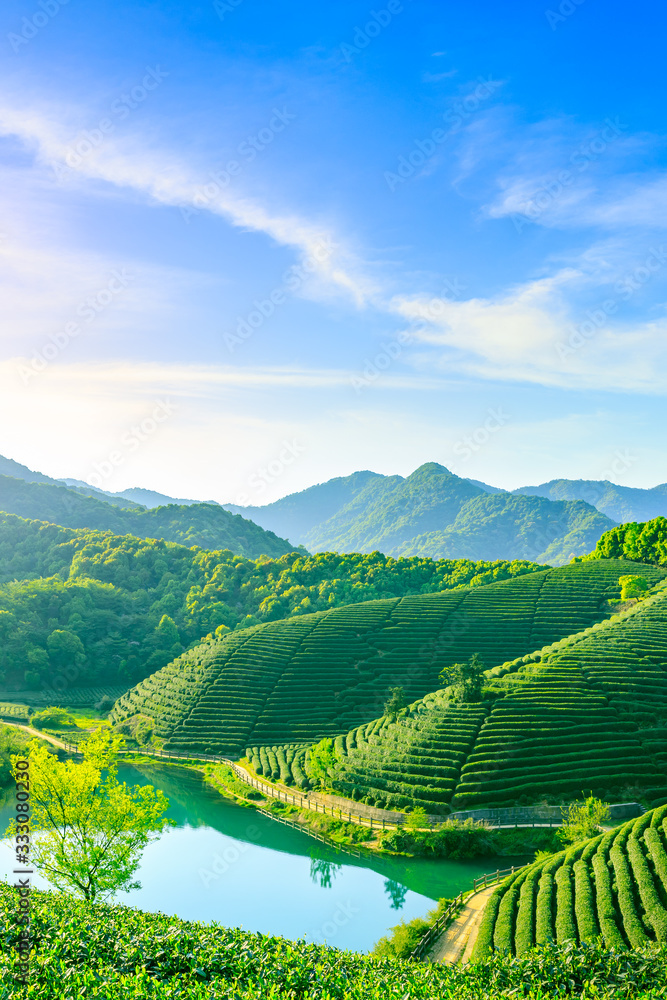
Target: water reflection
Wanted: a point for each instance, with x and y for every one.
(323, 872)
(396, 893)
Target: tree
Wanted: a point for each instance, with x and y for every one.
(321, 763)
(65, 648)
(467, 679)
(416, 820)
(395, 704)
(93, 828)
(581, 820)
(53, 718)
(633, 586)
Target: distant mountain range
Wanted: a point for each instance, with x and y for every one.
(432, 513)
(209, 526)
(621, 503)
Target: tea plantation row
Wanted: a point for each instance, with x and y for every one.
(613, 886)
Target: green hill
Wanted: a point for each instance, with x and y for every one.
(589, 712)
(206, 525)
(85, 607)
(8, 467)
(299, 680)
(433, 513)
(613, 886)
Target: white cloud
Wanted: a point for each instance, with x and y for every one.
(532, 334)
(168, 179)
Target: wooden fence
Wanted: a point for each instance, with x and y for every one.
(436, 929)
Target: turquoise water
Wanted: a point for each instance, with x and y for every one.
(230, 864)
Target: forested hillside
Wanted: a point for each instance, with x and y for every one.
(433, 513)
(589, 713)
(613, 886)
(645, 542)
(206, 525)
(111, 609)
(297, 681)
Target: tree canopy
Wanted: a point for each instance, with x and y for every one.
(92, 827)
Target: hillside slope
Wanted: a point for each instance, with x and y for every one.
(110, 593)
(433, 513)
(588, 713)
(206, 525)
(613, 886)
(318, 675)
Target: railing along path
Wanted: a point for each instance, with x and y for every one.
(435, 930)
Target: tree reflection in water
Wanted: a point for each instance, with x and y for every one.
(396, 893)
(323, 872)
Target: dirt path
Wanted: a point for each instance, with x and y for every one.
(457, 942)
(42, 736)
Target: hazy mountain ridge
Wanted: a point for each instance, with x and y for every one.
(206, 525)
(435, 513)
(620, 503)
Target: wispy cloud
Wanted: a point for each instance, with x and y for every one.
(165, 177)
(533, 334)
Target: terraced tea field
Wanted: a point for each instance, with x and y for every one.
(587, 713)
(613, 886)
(295, 681)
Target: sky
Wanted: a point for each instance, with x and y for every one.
(246, 247)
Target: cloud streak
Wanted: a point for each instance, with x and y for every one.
(166, 179)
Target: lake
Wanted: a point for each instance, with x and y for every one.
(228, 863)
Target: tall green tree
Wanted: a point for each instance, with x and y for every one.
(321, 763)
(395, 703)
(92, 827)
(467, 680)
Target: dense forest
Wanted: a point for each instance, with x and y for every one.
(107, 609)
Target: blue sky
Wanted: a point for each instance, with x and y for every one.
(311, 239)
